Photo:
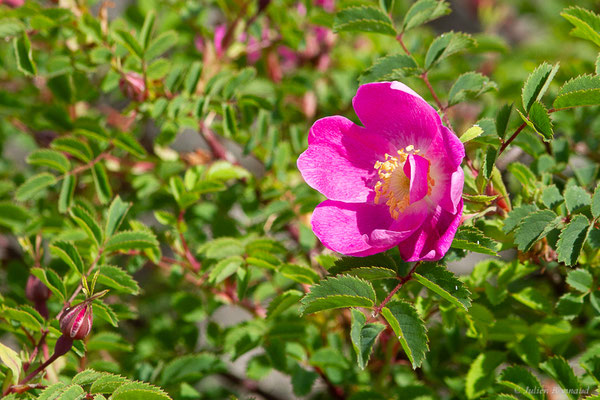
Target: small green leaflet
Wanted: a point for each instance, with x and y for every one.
(118, 279)
(469, 85)
(502, 119)
(580, 279)
(539, 121)
(32, 186)
(49, 158)
(299, 273)
(581, 91)
(190, 367)
(516, 215)
(521, 380)
(535, 227)
(116, 215)
(576, 198)
(363, 337)
(225, 268)
(481, 374)
(103, 188)
(51, 280)
(338, 292)
(283, 302)
(88, 223)
(551, 197)
(571, 239)
(67, 191)
(389, 68)
(569, 305)
(69, 254)
(596, 202)
(24, 54)
(424, 11)
(11, 359)
(559, 370)
(471, 133)
(129, 42)
(537, 83)
(534, 299)
(587, 23)
(409, 328)
(131, 240)
(363, 19)
(443, 282)
(445, 45)
(472, 239)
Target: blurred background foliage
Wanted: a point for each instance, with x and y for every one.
(156, 142)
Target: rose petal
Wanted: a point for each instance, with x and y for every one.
(363, 229)
(340, 159)
(416, 169)
(434, 237)
(448, 188)
(396, 112)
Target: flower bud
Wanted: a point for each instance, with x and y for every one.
(63, 345)
(38, 293)
(133, 86)
(76, 322)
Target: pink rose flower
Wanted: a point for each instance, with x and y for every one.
(397, 181)
(220, 32)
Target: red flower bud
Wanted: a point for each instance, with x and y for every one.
(13, 3)
(133, 86)
(76, 322)
(38, 293)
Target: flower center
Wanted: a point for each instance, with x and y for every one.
(400, 183)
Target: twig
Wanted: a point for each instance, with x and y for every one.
(402, 280)
(35, 350)
(195, 264)
(335, 391)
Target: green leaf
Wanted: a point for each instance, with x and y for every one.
(299, 273)
(88, 224)
(569, 305)
(138, 391)
(487, 166)
(230, 128)
(534, 227)
(445, 45)
(131, 240)
(539, 117)
(24, 55)
(25, 317)
(424, 11)
(51, 392)
(67, 252)
(193, 75)
(559, 370)
(225, 268)
(372, 273)
(596, 203)
(469, 85)
(10, 27)
(338, 292)
(576, 198)
(363, 19)
(129, 42)
(52, 281)
(409, 329)
(118, 279)
(537, 83)
(67, 191)
(443, 282)
(32, 186)
(71, 392)
(481, 374)
(523, 175)
(13, 216)
(146, 31)
(107, 384)
(103, 189)
(49, 158)
(587, 23)
(521, 380)
(128, 143)
(11, 359)
(363, 337)
(87, 377)
(346, 264)
(302, 380)
(502, 119)
(479, 198)
(516, 215)
(116, 215)
(581, 91)
(283, 301)
(580, 279)
(571, 239)
(160, 44)
(73, 146)
(472, 239)
(533, 299)
(389, 68)
(551, 197)
(471, 133)
(191, 368)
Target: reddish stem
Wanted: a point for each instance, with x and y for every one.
(402, 280)
(195, 264)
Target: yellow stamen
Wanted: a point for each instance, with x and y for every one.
(393, 186)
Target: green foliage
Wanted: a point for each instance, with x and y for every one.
(172, 202)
